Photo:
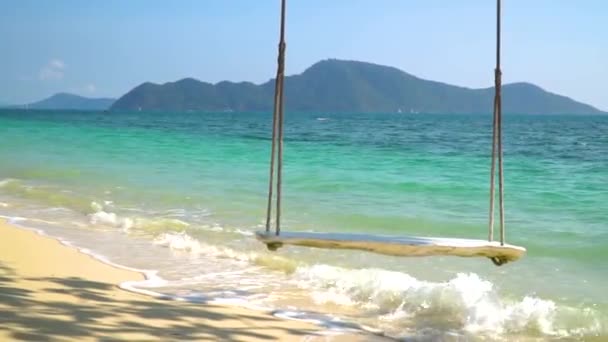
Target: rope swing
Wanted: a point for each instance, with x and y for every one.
(276, 152)
(499, 253)
(497, 145)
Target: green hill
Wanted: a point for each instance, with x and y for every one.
(347, 86)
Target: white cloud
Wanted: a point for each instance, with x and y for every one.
(90, 88)
(53, 70)
(57, 64)
(87, 89)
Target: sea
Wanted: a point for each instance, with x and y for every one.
(180, 196)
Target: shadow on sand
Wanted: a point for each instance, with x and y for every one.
(77, 309)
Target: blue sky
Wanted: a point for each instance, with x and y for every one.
(104, 48)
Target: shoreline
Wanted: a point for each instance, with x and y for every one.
(54, 290)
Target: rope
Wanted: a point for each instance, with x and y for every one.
(277, 132)
(272, 154)
(493, 171)
(497, 143)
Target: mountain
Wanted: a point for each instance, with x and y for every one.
(71, 101)
(347, 86)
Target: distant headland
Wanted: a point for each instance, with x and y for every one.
(330, 86)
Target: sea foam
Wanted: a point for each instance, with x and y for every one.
(466, 301)
(102, 216)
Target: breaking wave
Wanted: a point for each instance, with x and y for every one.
(101, 216)
(465, 303)
(181, 241)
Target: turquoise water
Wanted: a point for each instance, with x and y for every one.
(182, 193)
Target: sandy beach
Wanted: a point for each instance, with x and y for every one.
(49, 291)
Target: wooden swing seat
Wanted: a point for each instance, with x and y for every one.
(403, 246)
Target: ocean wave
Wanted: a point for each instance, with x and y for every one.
(181, 241)
(46, 195)
(466, 302)
(7, 181)
(102, 212)
(101, 216)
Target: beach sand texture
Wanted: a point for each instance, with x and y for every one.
(52, 292)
